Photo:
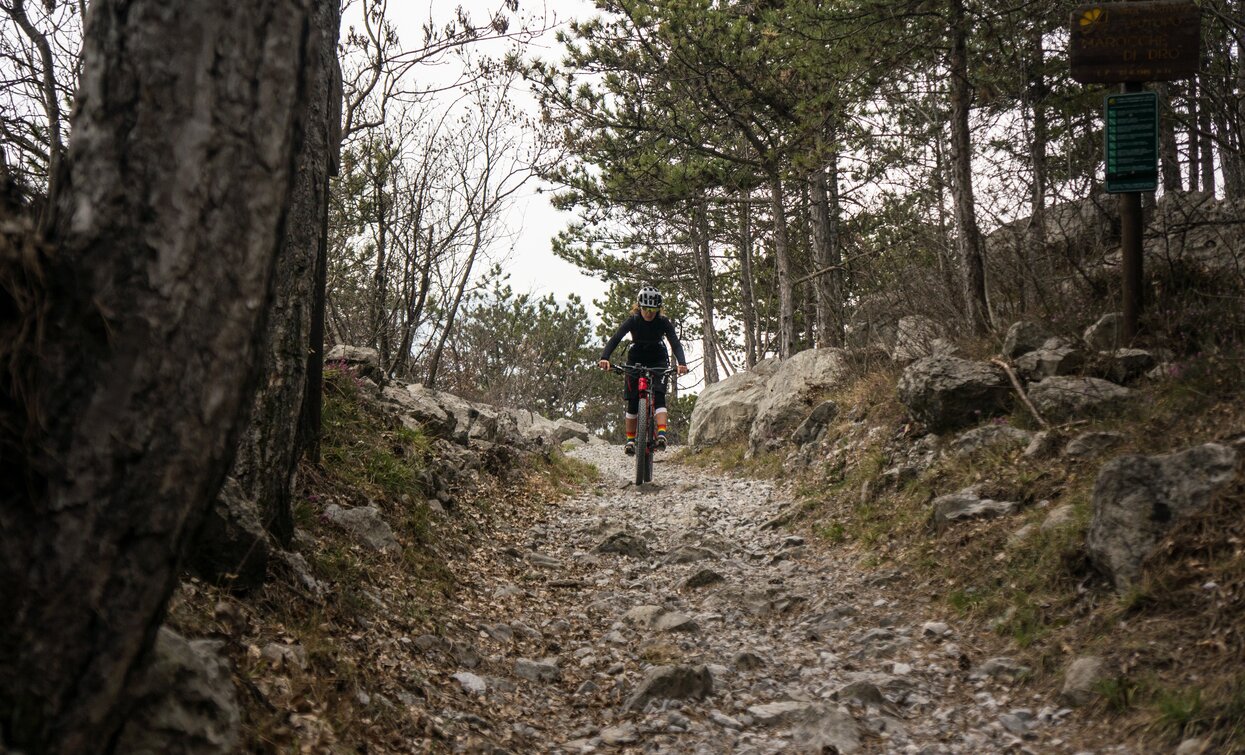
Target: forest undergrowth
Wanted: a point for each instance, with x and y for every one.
(336, 669)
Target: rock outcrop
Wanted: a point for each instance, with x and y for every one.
(185, 701)
(726, 409)
(1137, 498)
(945, 393)
(790, 392)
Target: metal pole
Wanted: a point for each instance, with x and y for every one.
(1130, 248)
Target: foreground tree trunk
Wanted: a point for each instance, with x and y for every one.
(165, 237)
(270, 448)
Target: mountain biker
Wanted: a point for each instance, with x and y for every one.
(647, 326)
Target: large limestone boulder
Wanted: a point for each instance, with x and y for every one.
(1138, 498)
(946, 393)
(1063, 397)
(185, 701)
(1056, 356)
(420, 409)
(1107, 334)
(726, 409)
(540, 430)
(1023, 337)
(791, 392)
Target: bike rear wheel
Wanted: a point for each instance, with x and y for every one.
(643, 462)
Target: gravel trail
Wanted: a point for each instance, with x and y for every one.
(676, 618)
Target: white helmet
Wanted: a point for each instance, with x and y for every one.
(649, 297)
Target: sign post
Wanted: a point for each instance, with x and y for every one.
(1130, 43)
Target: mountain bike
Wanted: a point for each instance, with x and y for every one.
(646, 423)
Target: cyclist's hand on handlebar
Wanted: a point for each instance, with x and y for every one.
(604, 364)
(683, 369)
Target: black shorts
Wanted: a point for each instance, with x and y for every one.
(631, 392)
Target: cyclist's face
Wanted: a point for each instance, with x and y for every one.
(648, 313)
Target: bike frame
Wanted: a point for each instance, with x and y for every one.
(646, 435)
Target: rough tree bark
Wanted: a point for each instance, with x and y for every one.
(1169, 150)
(745, 282)
(704, 275)
(972, 260)
(1035, 248)
(823, 186)
(165, 237)
(782, 263)
(270, 448)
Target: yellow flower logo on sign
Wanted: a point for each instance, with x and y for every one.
(1090, 18)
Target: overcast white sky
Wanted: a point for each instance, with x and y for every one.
(533, 221)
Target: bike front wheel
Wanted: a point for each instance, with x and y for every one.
(642, 459)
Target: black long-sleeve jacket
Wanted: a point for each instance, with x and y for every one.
(646, 341)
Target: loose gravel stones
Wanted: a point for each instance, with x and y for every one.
(684, 618)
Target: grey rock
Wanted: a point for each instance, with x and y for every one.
(935, 629)
(915, 337)
(624, 544)
(231, 546)
(366, 525)
(686, 554)
(645, 615)
(967, 504)
(1126, 365)
(702, 578)
(790, 392)
(988, 436)
(1080, 680)
(1059, 398)
(779, 713)
(814, 425)
(747, 661)
(1023, 337)
(1107, 334)
(537, 671)
(946, 393)
(826, 729)
(1014, 724)
(675, 622)
(1193, 746)
(185, 701)
(725, 721)
(1089, 444)
(283, 656)
(361, 359)
(543, 561)
(1001, 667)
(470, 683)
(1020, 536)
(1137, 498)
(1059, 516)
(1055, 357)
(672, 682)
(726, 409)
(619, 735)
(1044, 444)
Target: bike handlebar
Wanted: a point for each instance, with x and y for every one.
(638, 369)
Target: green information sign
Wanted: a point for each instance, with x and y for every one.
(1132, 142)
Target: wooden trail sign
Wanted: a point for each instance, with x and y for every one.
(1156, 40)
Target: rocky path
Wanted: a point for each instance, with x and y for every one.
(674, 620)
